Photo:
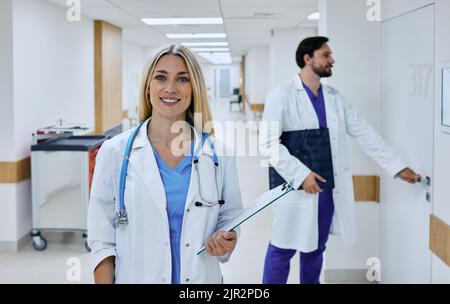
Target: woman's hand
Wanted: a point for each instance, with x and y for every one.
(104, 273)
(221, 243)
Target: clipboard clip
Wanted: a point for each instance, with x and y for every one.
(285, 189)
(288, 186)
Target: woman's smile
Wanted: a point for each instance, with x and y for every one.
(169, 101)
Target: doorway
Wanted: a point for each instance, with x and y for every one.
(407, 120)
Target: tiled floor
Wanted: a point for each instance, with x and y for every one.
(247, 261)
(65, 250)
(54, 265)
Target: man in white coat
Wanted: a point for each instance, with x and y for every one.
(303, 221)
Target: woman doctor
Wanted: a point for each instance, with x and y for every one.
(178, 192)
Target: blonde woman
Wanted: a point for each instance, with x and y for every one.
(160, 193)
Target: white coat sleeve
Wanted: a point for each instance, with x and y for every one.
(370, 141)
(231, 194)
(101, 211)
(270, 148)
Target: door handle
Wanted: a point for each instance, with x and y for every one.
(426, 182)
(428, 196)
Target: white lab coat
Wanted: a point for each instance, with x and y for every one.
(295, 217)
(142, 248)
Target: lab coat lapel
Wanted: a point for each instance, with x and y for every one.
(312, 122)
(330, 107)
(192, 191)
(144, 164)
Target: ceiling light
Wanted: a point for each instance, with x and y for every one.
(314, 16)
(217, 58)
(224, 43)
(210, 49)
(197, 35)
(224, 58)
(181, 21)
(265, 14)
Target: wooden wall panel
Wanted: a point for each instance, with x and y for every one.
(108, 76)
(367, 188)
(15, 172)
(257, 107)
(242, 84)
(440, 239)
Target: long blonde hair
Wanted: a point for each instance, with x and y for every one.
(199, 103)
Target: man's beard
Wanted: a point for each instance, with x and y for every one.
(323, 72)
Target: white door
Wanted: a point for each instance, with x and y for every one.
(223, 84)
(406, 122)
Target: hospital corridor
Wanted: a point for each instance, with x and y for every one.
(245, 268)
(236, 142)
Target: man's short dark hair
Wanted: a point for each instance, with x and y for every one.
(307, 47)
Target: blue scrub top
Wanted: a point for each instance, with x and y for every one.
(326, 197)
(318, 103)
(176, 185)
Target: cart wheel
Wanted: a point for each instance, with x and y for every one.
(87, 246)
(39, 243)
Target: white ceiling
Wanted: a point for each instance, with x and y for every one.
(247, 23)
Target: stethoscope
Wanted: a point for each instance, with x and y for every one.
(122, 216)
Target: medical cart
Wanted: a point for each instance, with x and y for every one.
(62, 170)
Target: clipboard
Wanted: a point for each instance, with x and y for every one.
(259, 204)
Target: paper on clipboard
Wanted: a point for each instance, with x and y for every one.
(259, 204)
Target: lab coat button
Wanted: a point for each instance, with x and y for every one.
(187, 280)
(164, 279)
(166, 243)
(188, 210)
(187, 244)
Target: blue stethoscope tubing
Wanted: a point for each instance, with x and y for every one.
(121, 215)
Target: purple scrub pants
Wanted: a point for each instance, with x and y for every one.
(277, 263)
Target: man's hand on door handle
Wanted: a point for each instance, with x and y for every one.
(409, 176)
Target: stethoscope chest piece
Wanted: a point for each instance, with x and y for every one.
(121, 218)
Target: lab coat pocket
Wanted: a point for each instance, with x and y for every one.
(296, 199)
(292, 225)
